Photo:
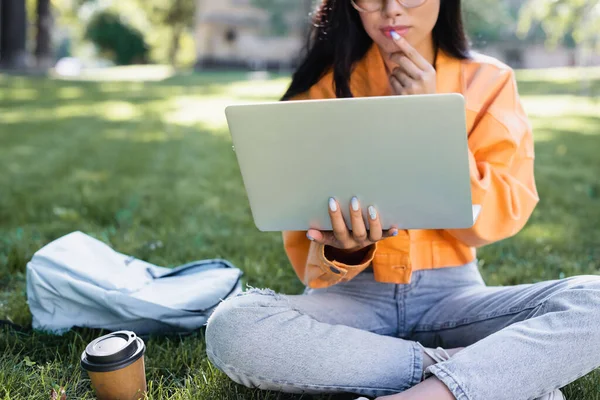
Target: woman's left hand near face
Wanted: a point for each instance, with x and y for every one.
(414, 74)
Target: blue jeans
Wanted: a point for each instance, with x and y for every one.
(360, 336)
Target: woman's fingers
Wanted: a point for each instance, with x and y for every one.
(409, 67)
(359, 230)
(341, 237)
(405, 81)
(324, 238)
(375, 232)
(412, 54)
(340, 230)
(396, 85)
(393, 232)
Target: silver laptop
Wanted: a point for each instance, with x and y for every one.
(405, 155)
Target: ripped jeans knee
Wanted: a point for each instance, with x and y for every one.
(235, 324)
(238, 311)
(251, 297)
(250, 290)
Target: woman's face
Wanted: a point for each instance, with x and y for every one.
(414, 24)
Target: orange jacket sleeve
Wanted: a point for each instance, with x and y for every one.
(501, 158)
(311, 265)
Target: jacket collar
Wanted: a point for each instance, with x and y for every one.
(448, 74)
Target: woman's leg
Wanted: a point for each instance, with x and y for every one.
(524, 341)
(340, 339)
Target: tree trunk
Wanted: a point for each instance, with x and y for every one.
(175, 39)
(43, 40)
(13, 23)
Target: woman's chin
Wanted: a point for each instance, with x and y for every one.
(387, 47)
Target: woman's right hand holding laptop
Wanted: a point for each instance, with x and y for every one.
(350, 244)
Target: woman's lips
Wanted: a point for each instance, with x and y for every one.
(400, 30)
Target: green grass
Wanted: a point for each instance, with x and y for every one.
(134, 163)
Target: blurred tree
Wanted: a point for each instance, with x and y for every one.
(488, 20)
(66, 10)
(177, 15)
(124, 44)
(13, 34)
(154, 19)
(43, 39)
(563, 20)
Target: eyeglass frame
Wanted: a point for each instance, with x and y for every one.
(359, 9)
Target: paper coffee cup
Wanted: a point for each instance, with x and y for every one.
(115, 365)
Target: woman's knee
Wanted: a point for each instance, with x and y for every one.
(581, 291)
(231, 328)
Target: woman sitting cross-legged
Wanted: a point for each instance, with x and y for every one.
(406, 314)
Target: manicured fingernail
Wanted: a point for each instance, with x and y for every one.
(395, 233)
(372, 213)
(395, 35)
(312, 239)
(332, 204)
(354, 203)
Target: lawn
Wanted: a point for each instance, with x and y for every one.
(147, 167)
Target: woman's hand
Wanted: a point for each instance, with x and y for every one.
(414, 74)
(346, 240)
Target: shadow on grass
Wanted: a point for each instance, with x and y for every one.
(34, 94)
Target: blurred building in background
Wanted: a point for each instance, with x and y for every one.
(237, 33)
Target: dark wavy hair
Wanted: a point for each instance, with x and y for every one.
(338, 40)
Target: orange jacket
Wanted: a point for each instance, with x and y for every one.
(501, 164)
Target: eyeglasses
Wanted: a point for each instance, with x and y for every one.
(369, 6)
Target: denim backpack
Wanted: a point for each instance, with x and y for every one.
(80, 281)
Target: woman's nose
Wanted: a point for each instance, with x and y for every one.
(392, 8)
